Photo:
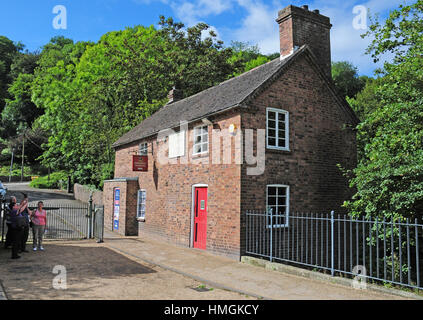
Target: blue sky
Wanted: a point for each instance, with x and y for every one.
(243, 20)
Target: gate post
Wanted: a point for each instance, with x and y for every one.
(271, 234)
(90, 216)
(332, 249)
(2, 216)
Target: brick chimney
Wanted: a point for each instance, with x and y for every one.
(174, 95)
(299, 26)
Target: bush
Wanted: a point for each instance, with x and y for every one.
(56, 181)
(16, 172)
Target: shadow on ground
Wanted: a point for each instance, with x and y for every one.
(32, 275)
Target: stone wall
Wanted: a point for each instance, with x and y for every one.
(82, 193)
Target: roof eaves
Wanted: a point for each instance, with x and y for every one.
(117, 145)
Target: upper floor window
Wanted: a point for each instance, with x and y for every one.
(177, 144)
(201, 140)
(277, 129)
(143, 149)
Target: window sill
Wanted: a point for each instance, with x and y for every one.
(141, 219)
(200, 155)
(275, 150)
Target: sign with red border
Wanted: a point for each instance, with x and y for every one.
(140, 163)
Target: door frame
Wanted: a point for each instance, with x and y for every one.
(198, 185)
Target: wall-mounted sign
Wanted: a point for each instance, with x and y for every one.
(139, 163)
(116, 206)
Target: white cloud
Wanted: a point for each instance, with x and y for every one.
(191, 12)
(259, 27)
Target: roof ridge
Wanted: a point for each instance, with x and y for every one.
(219, 84)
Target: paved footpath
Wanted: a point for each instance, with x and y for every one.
(224, 273)
(143, 268)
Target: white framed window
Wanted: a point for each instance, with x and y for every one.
(141, 201)
(177, 144)
(143, 149)
(277, 202)
(201, 140)
(277, 129)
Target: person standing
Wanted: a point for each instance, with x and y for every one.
(25, 212)
(9, 234)
(16, 228)
(39, 222)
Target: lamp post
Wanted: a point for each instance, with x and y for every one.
(11, 165)
(23, 156)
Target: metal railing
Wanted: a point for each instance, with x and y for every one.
(71, 221)
(378, 250)
(67, 221)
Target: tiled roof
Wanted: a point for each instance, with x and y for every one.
(226, 95)
(223, 96)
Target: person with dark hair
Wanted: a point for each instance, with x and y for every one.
(16, 227)
(39, 222)
(25, 212)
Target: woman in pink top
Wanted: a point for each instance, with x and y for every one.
(39, 222)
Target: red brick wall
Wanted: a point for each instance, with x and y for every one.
(128, 206)
(318, 143)
(169, 193)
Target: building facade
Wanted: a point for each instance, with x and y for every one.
(271, 138)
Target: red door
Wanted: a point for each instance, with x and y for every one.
(200, 218)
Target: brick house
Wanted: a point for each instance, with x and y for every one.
(269, 138)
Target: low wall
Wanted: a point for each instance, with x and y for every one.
(82, 193)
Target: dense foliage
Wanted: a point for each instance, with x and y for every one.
(389, 176)
(346, 79)
(71, 101)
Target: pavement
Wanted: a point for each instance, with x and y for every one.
(228, 274)
(145, 268)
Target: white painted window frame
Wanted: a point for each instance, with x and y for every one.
(179, 150)
(138, 204)
(143, 149)
(277, 112)
(286, 208)
(200, 143)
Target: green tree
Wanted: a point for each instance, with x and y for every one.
(389, 176)
(246, 57)
(8, 51)
(346, 79)
(93, 93)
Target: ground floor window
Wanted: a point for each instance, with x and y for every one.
(277, 196)
(141, 204)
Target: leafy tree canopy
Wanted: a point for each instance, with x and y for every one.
(346, 79)
(389, 176)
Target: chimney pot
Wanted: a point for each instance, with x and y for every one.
(305, 7)
(316, 11)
